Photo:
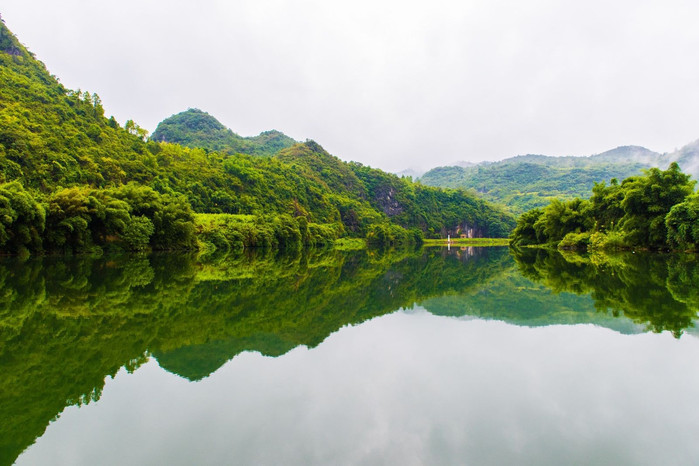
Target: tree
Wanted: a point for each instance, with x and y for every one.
(22, 219)
(682, 224)
(648, 199)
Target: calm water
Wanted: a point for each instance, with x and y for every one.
(438, 357)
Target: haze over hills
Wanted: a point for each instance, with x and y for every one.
(528, 181)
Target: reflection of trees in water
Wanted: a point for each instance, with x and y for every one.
(657, 290)
(67, 324)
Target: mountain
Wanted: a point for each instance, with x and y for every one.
(528, 181)
(195, 128)
(411, 172)
(50, 135)
(688, 158)
(73, 180)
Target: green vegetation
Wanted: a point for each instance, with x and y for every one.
(657, 291)
(81, 219)
(226, 233)
(72, 180)
(627, 292)
(194, 128)
(523, 186)
(655, 211)
(526, 182)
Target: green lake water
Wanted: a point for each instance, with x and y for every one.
(461, 356)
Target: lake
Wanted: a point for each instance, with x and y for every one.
(460, 356)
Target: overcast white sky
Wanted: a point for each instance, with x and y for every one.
(392, 84)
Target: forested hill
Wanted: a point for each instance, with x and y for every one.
(528, 181)
(195, 128)
(73, 180)
(51, 136)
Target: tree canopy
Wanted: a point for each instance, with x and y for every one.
(657, 210)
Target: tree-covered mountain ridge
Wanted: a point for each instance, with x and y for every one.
(72, 180)
(529, 181)
(197, 129)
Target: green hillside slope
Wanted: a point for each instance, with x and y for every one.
(529, 181)
(50, 135)
(73, 180)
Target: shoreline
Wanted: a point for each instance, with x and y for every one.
(467, 242)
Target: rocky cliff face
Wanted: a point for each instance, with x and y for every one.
(385, 197)
(464, 230)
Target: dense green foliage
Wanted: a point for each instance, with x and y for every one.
(80, 219)
(655, 211)
(682, 224)
(51, 136)
(526, 182)
(524, 185)
(194, 128)
(224, 233)
(64, 168)
(438, 212)
(655, 290)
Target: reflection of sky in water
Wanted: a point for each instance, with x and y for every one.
(407, 388)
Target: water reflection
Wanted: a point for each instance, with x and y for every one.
(660, 291)
(68, 324)
(405, 389)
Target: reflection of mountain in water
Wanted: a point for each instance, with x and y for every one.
(658, 291)
(651, 292)
(198, 361)
(67, 324)
(516, 300)
(275, 318)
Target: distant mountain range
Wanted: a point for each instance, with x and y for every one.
(528, 181)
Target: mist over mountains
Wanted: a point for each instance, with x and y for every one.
(528, 181)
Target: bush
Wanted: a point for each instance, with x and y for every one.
(611, 241)
(386, 234)
(579, 241)
(138, 233)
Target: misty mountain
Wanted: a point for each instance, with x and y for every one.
(528, 181)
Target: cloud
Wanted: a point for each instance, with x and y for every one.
(387, 83)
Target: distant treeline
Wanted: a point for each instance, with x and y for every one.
(658, 210)
(523, 185)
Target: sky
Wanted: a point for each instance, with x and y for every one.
(388, 83)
